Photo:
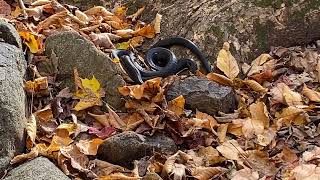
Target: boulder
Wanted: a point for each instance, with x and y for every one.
(40, 169)
(124, 148)
(205, 95)
(251, 26)
(74, 51)
(12, 96)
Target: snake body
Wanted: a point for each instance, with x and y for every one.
(161, 60)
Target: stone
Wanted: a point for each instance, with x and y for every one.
(74, 51)
(124, 148)
(205, 95)
(251, 26)
(9, 34)
(83, 4)
(12, 96)
(40, 168)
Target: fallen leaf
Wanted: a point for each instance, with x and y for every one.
(4, 8)
(227, 63)
(291, 97)
(31, 41)
(311, 94)
(31, 129)
(265, 138)
(222, 132)
(147, 31)
(23, 157)
(254, 85)
(177, 105)
(157, 23)
(78, 160)
(134, 121)
(245, 174)
(204, 173)
(135, 16)
(230, 150)
(252, 127)
(219, 79)
(259, 112)
(291, 115)
(311, 155)
(102, 133)
(89, 147)
(210, 155)
(306, 172)
(59, 142)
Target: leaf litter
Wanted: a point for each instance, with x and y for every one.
(274, 133)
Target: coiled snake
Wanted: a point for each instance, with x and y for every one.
(161, 60)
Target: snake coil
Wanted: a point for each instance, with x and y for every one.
(161, 60)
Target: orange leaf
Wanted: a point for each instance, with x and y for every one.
(177, 105)
(89, 147)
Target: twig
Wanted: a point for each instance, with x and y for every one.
(23, 8)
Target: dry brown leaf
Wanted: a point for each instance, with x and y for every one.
(78, 160)
(318, 69)
(102, 119)
(231, 150)
(31, 129)
(115, 121)
(290, 97)
(259, 112)
(135, 91)
(311, 94)
(103, 168)
(102, 40)
(261, 60)
(89, 147)
(177, 105)
(311, 155)
(219, 79)
(98, 10)
(245, 174)
(291, 115)
(134, 120)
(222, 132)
(306, 172)
(252, 127)
(135, 16)
(263, 76)
(136, 41)
(4, 8)
(227, 63)
(157, 23)
(38, 86)
(211, 155)
(124, 33)
(204, 173)
(118, 176)
(254, 85)
(277, 93)
(58, 142)
(266, 137)
(147, 31)
(235, 127)
(23, 157)
(82, 16)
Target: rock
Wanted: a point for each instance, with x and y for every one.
(204, 95)
(252, 26)
(124, 148)
(40, 169)
(84, 4)
(9, 34)
(12, 97)
(74, 51)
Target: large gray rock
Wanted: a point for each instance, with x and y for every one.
(12, 97)
(37, 169)
(204, 95)
(124, 148)
(9, 34)
(74, 51)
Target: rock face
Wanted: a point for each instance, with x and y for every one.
(74, 51)
(204, 95)
(40, 169)
(124, 148)
(252, 26)
(12, 97)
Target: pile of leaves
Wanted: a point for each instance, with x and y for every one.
(274, 132)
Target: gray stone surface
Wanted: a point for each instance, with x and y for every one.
(204, 95)
(12, 97)
(9, 34)
(74, 51)
(124, 148)
(37, 169)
